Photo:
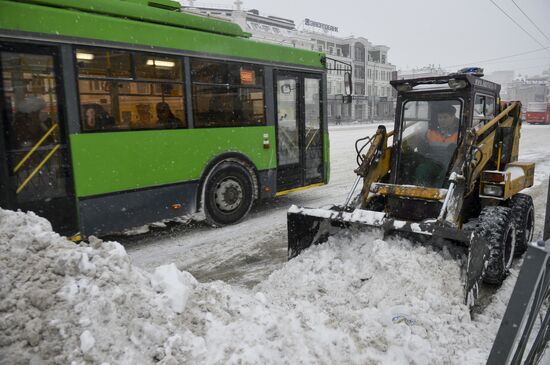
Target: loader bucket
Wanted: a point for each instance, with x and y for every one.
(304, 231)
(308, 227)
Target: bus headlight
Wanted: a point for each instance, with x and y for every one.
(493, 190)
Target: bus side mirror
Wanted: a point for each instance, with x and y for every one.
(347, 84)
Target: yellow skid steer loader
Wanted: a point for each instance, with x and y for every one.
(450, 175)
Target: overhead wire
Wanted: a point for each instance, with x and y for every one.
(490, 60)
(544, 58)
(516, 23)
(500, 58)
(532, 22)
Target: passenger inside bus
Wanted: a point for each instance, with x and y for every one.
(97, 118)
(28, 126)
(166, 118)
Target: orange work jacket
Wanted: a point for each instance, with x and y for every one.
(434, 136)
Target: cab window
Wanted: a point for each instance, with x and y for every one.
(484, 110)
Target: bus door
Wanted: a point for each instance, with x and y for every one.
(35, 172)
(299, 130)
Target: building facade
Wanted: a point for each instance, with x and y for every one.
(372, 99)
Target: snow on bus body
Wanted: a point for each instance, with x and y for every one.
(355, 301)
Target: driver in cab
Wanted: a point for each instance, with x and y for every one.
(445, 131)
(440, 144)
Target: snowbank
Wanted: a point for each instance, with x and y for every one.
(353, 301)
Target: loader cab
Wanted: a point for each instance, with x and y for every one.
(432, 117)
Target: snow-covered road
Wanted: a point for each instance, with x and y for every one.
(246, 253)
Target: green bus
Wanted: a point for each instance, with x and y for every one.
(119, 113)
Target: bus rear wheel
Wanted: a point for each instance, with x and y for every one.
(228, 194)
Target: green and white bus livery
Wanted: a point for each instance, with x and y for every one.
(115, 114)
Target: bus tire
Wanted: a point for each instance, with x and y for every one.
(496, 225)
(523, 212)
(228, 194)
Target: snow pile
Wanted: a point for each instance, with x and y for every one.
(392, 302)
(61, 302)
(350, 301)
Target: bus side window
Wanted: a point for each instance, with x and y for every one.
(227, 94)
(120, 90)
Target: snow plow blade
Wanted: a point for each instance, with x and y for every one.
(308, 227)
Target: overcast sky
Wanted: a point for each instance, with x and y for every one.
(449, 33)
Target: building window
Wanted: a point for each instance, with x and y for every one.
(359, 72)
(121, 90)
(359, 53)
(227, 94)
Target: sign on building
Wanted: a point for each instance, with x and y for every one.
(325, 27)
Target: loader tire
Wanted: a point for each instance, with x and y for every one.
(523, 212)
(496, 225)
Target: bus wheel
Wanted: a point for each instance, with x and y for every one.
(228, 194)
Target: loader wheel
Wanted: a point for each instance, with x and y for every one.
(524, 217)
(228, 194)
(496, 226)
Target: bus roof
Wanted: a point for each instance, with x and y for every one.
(156, 11)
(143, 23)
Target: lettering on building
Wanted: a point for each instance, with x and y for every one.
(325, 27)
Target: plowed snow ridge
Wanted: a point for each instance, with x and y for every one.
(354, 300)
